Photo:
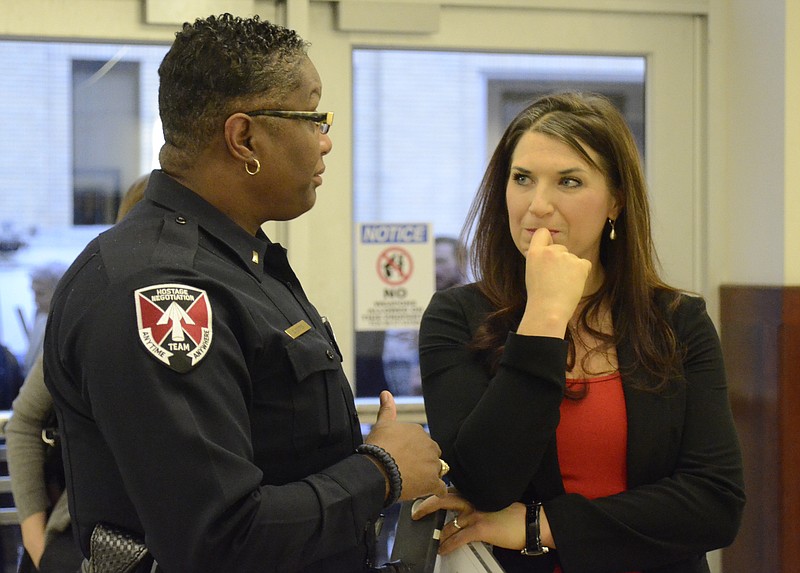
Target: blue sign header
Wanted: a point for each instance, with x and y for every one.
(394, 233)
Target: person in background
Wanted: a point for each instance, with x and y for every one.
(450, 263)
(400, 355)
(400, 360)
(36, 468)
(10, 377)
(37, 484)
(44, 279)
(133, 195)
(580, 401)
(205, 417)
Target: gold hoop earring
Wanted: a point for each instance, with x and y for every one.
(257, 169)
(613, 233)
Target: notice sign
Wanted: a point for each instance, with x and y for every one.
(395, 275)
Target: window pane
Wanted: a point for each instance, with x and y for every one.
(105, 136)
(82, 124)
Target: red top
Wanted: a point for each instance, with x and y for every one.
(592, 439)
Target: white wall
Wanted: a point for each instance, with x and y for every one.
(754, 146)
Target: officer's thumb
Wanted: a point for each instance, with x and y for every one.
(388, 409)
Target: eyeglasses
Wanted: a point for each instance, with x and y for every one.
(323, 119)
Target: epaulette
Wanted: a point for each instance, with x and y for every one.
(176, 246)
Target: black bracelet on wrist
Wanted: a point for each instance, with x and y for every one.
(392, 471)
(533, 534)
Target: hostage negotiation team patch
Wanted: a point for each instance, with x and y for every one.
(174, 324)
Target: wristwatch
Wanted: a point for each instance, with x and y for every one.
(533, 535)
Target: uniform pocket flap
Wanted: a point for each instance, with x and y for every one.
(311, 353)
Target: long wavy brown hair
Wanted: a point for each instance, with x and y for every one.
(631, 280)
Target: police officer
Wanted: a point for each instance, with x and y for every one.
(200, 396)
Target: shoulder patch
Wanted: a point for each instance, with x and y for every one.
(174, 323)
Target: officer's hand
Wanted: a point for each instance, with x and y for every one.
(416, 454)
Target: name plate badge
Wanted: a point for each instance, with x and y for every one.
(298, 329)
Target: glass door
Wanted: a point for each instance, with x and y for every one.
(667, 46)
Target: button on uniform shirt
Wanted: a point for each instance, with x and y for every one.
(202, 401)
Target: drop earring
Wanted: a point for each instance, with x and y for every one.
(613, 233)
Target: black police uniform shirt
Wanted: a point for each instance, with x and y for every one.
(201, 399)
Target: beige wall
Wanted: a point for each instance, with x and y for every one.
(792, 141)
(754, 145)
(114, 19)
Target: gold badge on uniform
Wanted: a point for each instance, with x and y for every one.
(297, 329)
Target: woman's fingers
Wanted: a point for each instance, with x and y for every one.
(453, 537)
(505, 528)
(450, 501)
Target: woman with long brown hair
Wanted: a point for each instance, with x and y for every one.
(580, 401)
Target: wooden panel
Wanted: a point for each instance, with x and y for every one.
(760, 331)
(789, 416)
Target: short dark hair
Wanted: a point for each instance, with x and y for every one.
(217, 64)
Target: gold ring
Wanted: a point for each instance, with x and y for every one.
(455, 523)
(445, 467)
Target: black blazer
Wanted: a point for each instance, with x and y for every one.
(685, 488)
